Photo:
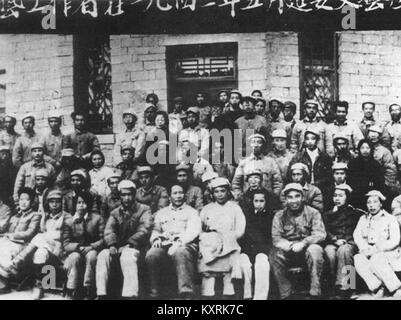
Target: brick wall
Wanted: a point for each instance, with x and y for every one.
(370, 70)
(266, 61)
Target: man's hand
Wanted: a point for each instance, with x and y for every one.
(298, 247)
(340, 242)
(113, 251)
(85, 250)
(171, 251)
(157, 243)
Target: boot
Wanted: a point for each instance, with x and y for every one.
(38, 292)
(90, 293)
(20, 259)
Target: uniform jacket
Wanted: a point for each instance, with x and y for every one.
(134, 138)
(155, 198)
(348, 129)
(22, 148)
(8, 140)
(132, 227)
(109, 203)
(298, 132)
(312, 195)
(83, 142)
(24, 225)
(194, 197)
(383, 156)
(307, 226)
(283, 160)
(68, 202)
(5, 216)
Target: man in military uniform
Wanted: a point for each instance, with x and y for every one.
(53, 140)
(9, 136)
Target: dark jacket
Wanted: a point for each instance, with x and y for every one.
(363, 176)
(24, 226)
(321, 168)
(340, 225)
(69, 198)
(131, 228)
(155, 198)
(109, 203)
(84, 232)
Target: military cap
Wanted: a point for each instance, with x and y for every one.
(182, 166)
(194, 110)
(27, 115)
(219, 182)
(127, 147)
(293, 187)
(79, 172)
(55, 194)
(376, 128)
(300, 166)
(376, 193)
(42, 173)
(221, 91)
(257, 135)
(116, 173)
(178, 99)
(311, 101)
(279, 133)
(130, 111)
(37, 145)
(11, 116)
(4, 148)
(339, 166)
(235, 91)
(68, 152)
(313, 131)
(209, 175)
(339, 136)
(253, 171)
(150, 106)
(144, 169)
(344, 187)
(54, 114)
(249, 98)
(126, 184)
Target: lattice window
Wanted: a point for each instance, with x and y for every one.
(318, 51)
(2, 97)
(92, 81)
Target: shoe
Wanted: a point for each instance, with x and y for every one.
(397, 294)
(90, 293)
(101, 298)
(379, 294)
(5, 290)
(37, 293)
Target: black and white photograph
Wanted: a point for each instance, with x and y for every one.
(223, 150)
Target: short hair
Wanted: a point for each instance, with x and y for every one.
(29, 191)
(369, 102)
(277, 101)
(256, 91)
(292, 105)
(152, 96)
(79, 113)
(342, 104)
(174, 184)
(393, 104)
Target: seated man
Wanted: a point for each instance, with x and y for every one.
(126, 236)
(82, 240)
(41, 189)
(339, 174)
(174, 236)
(149, 193)
(193, 194)
(312, 195)
(16, 232)
(128, 164)
(112, 200)
(297, 231)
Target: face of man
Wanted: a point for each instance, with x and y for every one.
(55, 205)
(145, 179)
(259, 202)
(40, 182)
(374, 205)
(368, 110)
(311, 111)
(182, 177)
(127, 197)
(79, 122)
(341, 114)
(339, 176)
(288, 113)
(76, 182)
(24, 202)
(54, 124)
(341, 145)
(310, 141)
(113, 183)
(192, 119)
(200, 99)
(9, 123)
(395, 113)
(249, 107)
(178, 105)
(275, 109)
(254, 181)
(28, 124)
(298, 176)
(150, 115)
(220, 194)
(235, 99)
(374, 137)
(37, 154)
(339, 198)
(259, 108)
(256, 145)
(279, 144)
(129, 120)
(223, 97)
(177, 196)
(294, 200)
(127, 155)
(256, 94)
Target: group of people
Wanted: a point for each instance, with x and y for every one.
(308, 194)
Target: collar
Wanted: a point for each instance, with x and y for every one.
(254, 157)
(314, 152)
(129, 210)
(342, 124)
(78, 132)
(307, 120)
(145, 192)
(368, 121)
(380, 214)
(77, 218)
(24, 213)
(249, 116)
(41, 193)
(38, 164)
(280, 153)
(30, 135)
(395, 122)
(56, 216)
(172, 208)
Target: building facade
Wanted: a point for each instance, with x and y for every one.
(106, 74)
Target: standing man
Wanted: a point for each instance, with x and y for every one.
(289, 110)
(53, 140)
(8, 137)
(368, 119)
(22, 147)
(131, 136)
(392, 129)
(297, 232)
(274, 120)
(205, 111)
(126, 236)
(280, 153)
(193, 194)
(341, 149)
(310, 121)
(174, 236)
(234, 109)
(81, 140)
(342, 126)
